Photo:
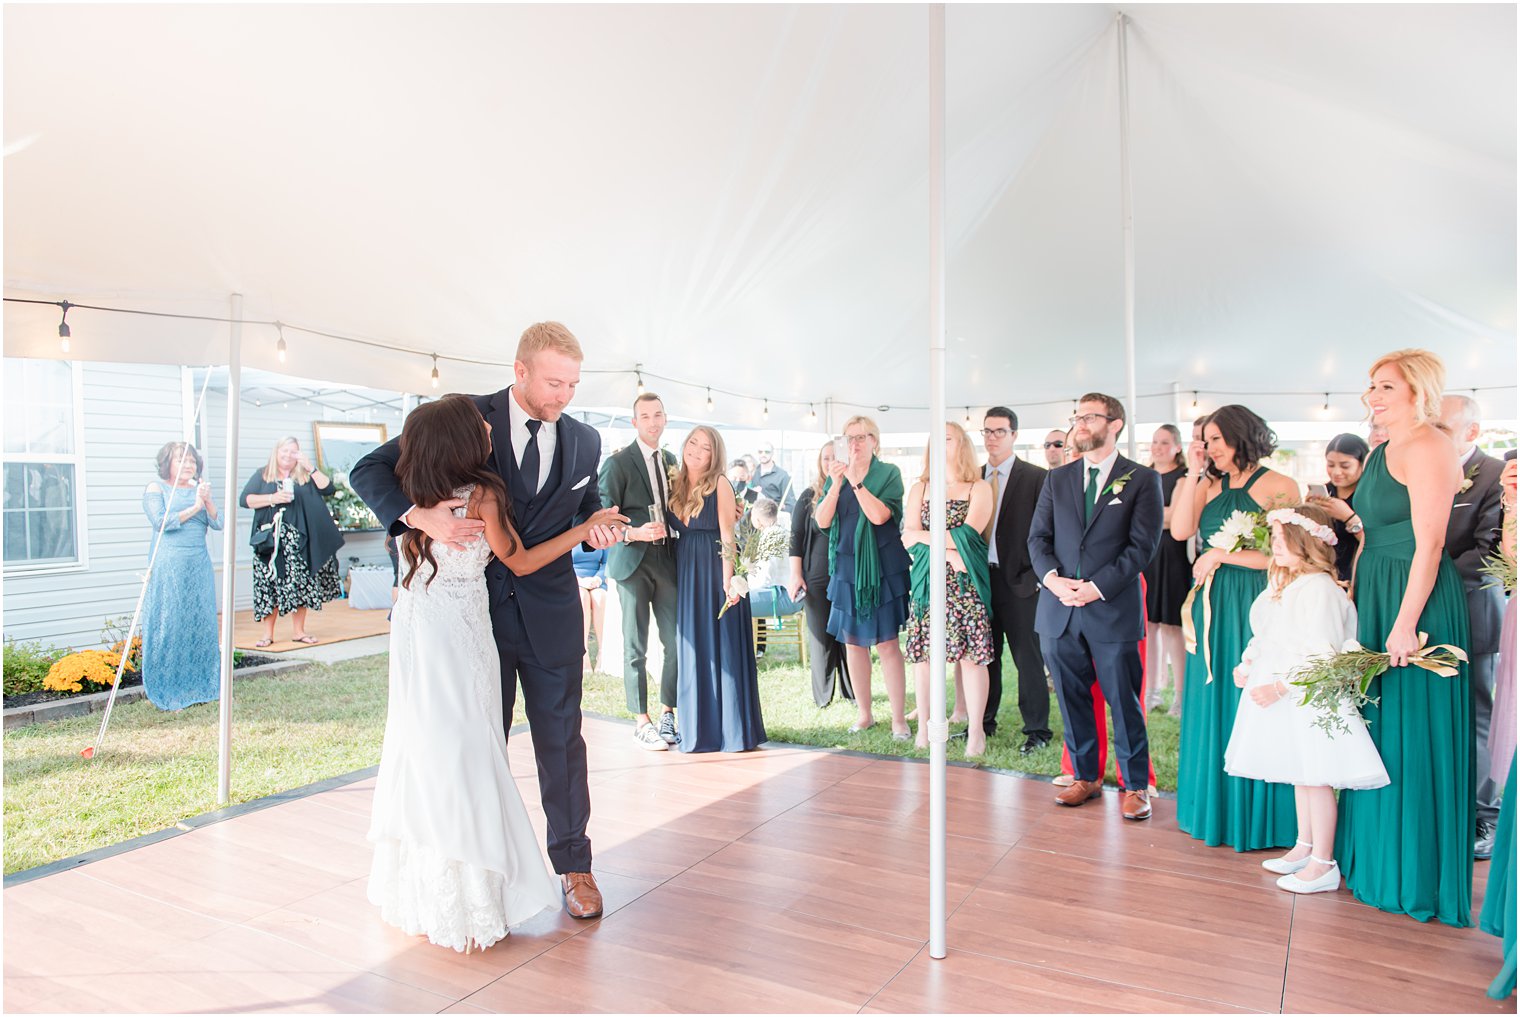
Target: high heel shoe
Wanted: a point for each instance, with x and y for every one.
(1327, 883)
(1284, 866)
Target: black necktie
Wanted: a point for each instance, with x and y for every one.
(659, 480)
(529, 465)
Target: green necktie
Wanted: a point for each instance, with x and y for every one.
(1092, 493)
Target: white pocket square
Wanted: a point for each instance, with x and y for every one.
(584, 481)
(1462, 504)
(1114, 502)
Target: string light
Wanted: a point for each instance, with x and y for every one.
(63, 327)
(765, 410)
(709, 401)
(812, 414)
(968, 417)
(279, 347)
(435, 370)
(1326, 407)
(639, 375)
(1194, 409)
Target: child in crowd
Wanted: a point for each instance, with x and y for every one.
(1303, 613)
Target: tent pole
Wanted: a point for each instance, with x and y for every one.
(1128, 214)
(939, 730)
(230, 493)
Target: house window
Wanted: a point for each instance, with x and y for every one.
(43, 465)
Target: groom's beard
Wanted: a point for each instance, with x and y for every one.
(1088, 441)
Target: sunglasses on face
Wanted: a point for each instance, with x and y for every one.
(1055, 444)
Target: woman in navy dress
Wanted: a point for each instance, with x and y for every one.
(717, 688)
(861, 508)
(182, 659)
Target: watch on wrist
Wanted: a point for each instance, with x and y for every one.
(1354, 524)
(860, 486)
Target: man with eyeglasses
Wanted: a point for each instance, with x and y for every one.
(1096, 525)
(1055, 449)
(1015, 587)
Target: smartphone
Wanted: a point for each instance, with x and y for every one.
(842, 449)
(1320, 490)
(288, 485)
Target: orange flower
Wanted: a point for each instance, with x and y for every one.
(97, 667)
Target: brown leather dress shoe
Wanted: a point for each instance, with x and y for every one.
(1079, 792)
(582, 898)
(1136, 805)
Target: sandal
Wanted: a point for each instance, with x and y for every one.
(263, 643)
(308, 640)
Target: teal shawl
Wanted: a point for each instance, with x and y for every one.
(885, 482)
(973, 551)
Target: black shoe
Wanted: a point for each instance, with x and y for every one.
(1483, 846)
(667, 728)
(1032, 745)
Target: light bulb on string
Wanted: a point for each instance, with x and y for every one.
(63, 327)
(1194, 409)
(812, 414)
(639, 375)
(1325, 409)
(709, 401)
(435, 370)
(279, 347)
(968, 418)
(765, 410)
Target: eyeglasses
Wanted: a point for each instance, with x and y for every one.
(1055, 444)
(1086, 419)
(857, 439)
(995, 432)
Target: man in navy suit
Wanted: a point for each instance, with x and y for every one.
(549, 463)
(1096, 525)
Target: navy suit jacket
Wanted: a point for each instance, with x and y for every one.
(1111, 550)
(549, 599)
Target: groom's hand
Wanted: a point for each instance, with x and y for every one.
(602, 537)
(1060, 585)
(440, 523)
(1082, 594)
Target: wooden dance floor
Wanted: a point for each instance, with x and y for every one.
(787, 880)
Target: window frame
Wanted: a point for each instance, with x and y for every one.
(76, 459)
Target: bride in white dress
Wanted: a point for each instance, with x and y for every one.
(456, 858)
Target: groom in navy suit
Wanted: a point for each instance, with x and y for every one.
(549, 463)
(1096, 525)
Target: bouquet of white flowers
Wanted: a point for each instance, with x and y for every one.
(759, 547)
(1243, 531)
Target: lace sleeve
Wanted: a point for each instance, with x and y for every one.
(153, 504)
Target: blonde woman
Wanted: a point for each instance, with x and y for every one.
(1409, 847)
(968, 582)
(809, 583)
(861, 508)
(717, 688)
(295, 541)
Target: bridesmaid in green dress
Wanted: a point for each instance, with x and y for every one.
(1498, 915)
(1223, 476)
(1408, 847)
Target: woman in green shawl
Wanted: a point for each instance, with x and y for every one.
(861, 509)
(968, 582)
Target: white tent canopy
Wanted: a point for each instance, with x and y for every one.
(736, 196)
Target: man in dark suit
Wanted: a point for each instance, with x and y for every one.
(1472, 533)
(1096, 524)
(644, 567)
(1015, 588)
(549, 464)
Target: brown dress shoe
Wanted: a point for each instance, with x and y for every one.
(1136, 805)
(582, 898)
(1079, 792)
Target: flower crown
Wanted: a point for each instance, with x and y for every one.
(1284, 516)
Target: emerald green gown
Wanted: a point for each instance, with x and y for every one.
(1213, 806)
(1408, 847)
(1499, 902)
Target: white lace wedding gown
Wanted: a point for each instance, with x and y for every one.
(456, 858)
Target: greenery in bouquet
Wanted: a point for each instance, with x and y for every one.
(1336, 681)
(1498, 566)
(348, 509)
(749, 554)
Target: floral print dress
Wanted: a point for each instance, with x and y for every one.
(968, 630)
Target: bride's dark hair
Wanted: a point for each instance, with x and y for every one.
(444, 446)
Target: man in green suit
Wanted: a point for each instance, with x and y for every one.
(637, 478)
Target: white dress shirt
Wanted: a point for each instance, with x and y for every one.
(648, 451)
(1105, 468)
(548, 435)
(1003, 471)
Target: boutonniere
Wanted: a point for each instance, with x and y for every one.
(1117, 486)
(1468, 478)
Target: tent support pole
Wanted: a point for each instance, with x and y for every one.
(939, 730)
(1130, 390)
(229, 550)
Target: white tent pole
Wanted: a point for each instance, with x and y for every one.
(1130, 391)
(939, 731)
(230, 493)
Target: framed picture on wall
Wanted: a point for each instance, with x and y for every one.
(340, 446)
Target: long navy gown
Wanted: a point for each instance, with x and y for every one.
(717, 689)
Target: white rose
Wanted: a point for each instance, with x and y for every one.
(738, 586)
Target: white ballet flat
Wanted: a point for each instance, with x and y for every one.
(1282, 866)
(1328, 883)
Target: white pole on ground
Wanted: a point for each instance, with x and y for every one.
(939, 730)
(1128, 216)
(230, 492)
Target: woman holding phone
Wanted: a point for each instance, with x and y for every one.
(861, 508)
(295, 541)
(1344, 456)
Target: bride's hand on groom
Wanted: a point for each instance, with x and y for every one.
(440, 523)
(605, 528)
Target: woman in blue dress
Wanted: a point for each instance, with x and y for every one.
(861, 508)
(181, 661)
(717, 688)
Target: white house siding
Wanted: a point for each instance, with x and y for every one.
(129, 411)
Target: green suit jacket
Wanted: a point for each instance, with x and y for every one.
(624, 482)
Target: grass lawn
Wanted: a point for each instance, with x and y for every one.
(159, 768)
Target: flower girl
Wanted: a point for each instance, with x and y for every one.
(1303, 613)
(456, 857)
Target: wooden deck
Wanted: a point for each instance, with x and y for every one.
(786, 880)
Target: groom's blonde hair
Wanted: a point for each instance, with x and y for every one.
(548, 335)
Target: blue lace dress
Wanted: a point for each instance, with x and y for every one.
(181, 661)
